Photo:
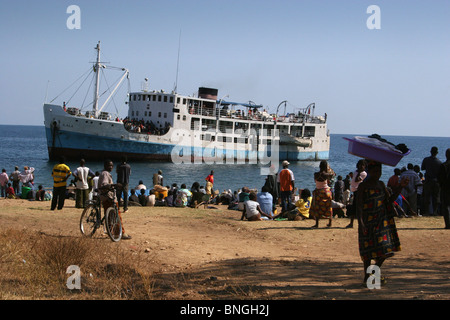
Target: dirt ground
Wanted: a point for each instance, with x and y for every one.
(209, 253)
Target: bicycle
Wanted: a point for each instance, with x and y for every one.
(91, 218)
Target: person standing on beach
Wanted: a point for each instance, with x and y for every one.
(3, 183)
(158, 179)
(410, 190)
(210, 183)
(430, 194)
(272, 185)
(105, 182)
(394, 180)
(60, 173)
(322, 196)
(286, 182)
(444, 181)
(15, 179)
(339, 190)
(82, 173)
(123, 177)
(358, 177)
(347, 180)
(27, 177)
(377, 233)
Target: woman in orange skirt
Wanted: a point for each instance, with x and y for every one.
(322, 195)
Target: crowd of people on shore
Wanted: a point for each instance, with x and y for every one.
(334, 196)
(360, 196)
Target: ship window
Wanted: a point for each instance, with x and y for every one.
(132, 113)
(195, 124)
(310, 131)
(145, 113)
(165, 114)
(178, 100)
(184, 118)
(225, 139)
(159, 98)
(137, 113)
(240, 140)
(207, 137)
(283, 129)
(134, 97)
(149, 113)
(269, 129)
(226, 126)
(139, 97)
(171, 100)
(178, 117)
(184, 101)
(165, 98)
(159, 114)
(154, 98)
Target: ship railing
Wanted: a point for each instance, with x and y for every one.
(240, 115)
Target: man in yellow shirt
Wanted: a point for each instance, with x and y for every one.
(60, 173)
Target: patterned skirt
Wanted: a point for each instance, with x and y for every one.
(379, 238)
(321, 204)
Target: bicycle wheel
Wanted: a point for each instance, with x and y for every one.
(113, 224)
(89, 221)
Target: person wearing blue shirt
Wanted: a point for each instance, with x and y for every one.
(265, 201)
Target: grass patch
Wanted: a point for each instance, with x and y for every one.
(33, 266)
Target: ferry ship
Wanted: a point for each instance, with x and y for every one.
(168, 126)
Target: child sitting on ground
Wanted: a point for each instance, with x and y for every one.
(10, 194)
(40, 194)
(252, 210)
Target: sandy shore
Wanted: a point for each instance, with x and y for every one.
(220, 257)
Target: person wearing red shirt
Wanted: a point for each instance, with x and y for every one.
(210, 183)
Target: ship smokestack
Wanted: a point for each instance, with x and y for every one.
(207, 93)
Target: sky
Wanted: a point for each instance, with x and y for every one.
(390, 80)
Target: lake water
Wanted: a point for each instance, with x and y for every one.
(26, 146)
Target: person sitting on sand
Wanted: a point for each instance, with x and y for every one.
(252, 210)
(40, 194)
(265, 200)
(183, 196)
(303, 204)
(151, 199)
(169, 199)
(195, 187)
(140, 186)
(10, 193)
(243, 196)
(133, 199)
(143, 199)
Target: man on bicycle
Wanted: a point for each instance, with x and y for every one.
(105, 182)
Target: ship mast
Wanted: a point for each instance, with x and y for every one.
(97, 80)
